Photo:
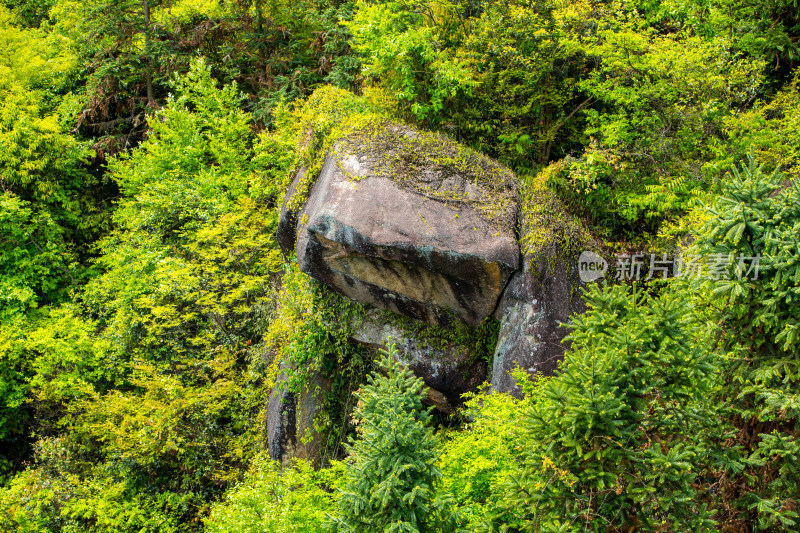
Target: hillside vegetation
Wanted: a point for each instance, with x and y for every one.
(146, 309)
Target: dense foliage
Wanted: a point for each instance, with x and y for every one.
(296, 499)
(146, 311)
(611, 441)
(391, 473)
(754, 311)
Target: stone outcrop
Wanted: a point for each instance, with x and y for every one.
(290, 418)
(535, 305)
(541, 296)
(287, 223)
(411, 223)
(447, 368)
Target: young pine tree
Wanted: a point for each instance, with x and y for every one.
(610, 443)
(753, 229)
(391, 472)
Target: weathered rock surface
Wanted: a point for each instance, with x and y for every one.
(447, 368)
(287, 224)
(412, 223)
(281, 423)
(290, 418)
(402, 230)
(531, 313)
(540, 297)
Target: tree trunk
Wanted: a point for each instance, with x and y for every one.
(261, 43)
(148, 75)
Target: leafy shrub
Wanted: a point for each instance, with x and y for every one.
(401, 44)
(270, 500)
(152, 399)
(34, 259)
(43, 167)
(771, 131)
(190, 250)
(479, 456)
(657, 126)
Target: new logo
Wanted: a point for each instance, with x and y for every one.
(591, 266)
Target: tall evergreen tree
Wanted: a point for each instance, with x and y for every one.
(392, 470)
(610, 442)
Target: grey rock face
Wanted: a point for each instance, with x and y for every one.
(531, 312)
(448, 369)
(287, 223)
(414, 224)
(290, 418)
(541, 296)
(427, 251)
(281, 424)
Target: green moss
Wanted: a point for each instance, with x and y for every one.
(425, 162)
(328, 115)
(479, 342)
(334, 120)
(548, 232)
(310, 333)
(311, 328)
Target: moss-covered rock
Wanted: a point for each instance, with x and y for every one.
(402, 219)
(451, 362)
(410, 222)
(418, 225)
(291, 431)
(542, 295)
(434, 166)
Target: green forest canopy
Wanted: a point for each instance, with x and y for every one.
(145, 148)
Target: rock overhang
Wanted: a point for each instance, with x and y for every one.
(426, 229)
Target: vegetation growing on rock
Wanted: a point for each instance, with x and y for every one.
(547, 229)
(436, 167)
(146, 310)
(337, 122)
(391, 478)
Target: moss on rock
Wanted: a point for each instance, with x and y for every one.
(335, 121)
(328, 115)
(548, 232)
(477, 342)
(436, 167)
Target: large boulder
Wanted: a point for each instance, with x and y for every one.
(448, 368)
(413, 223)
(541, 297)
